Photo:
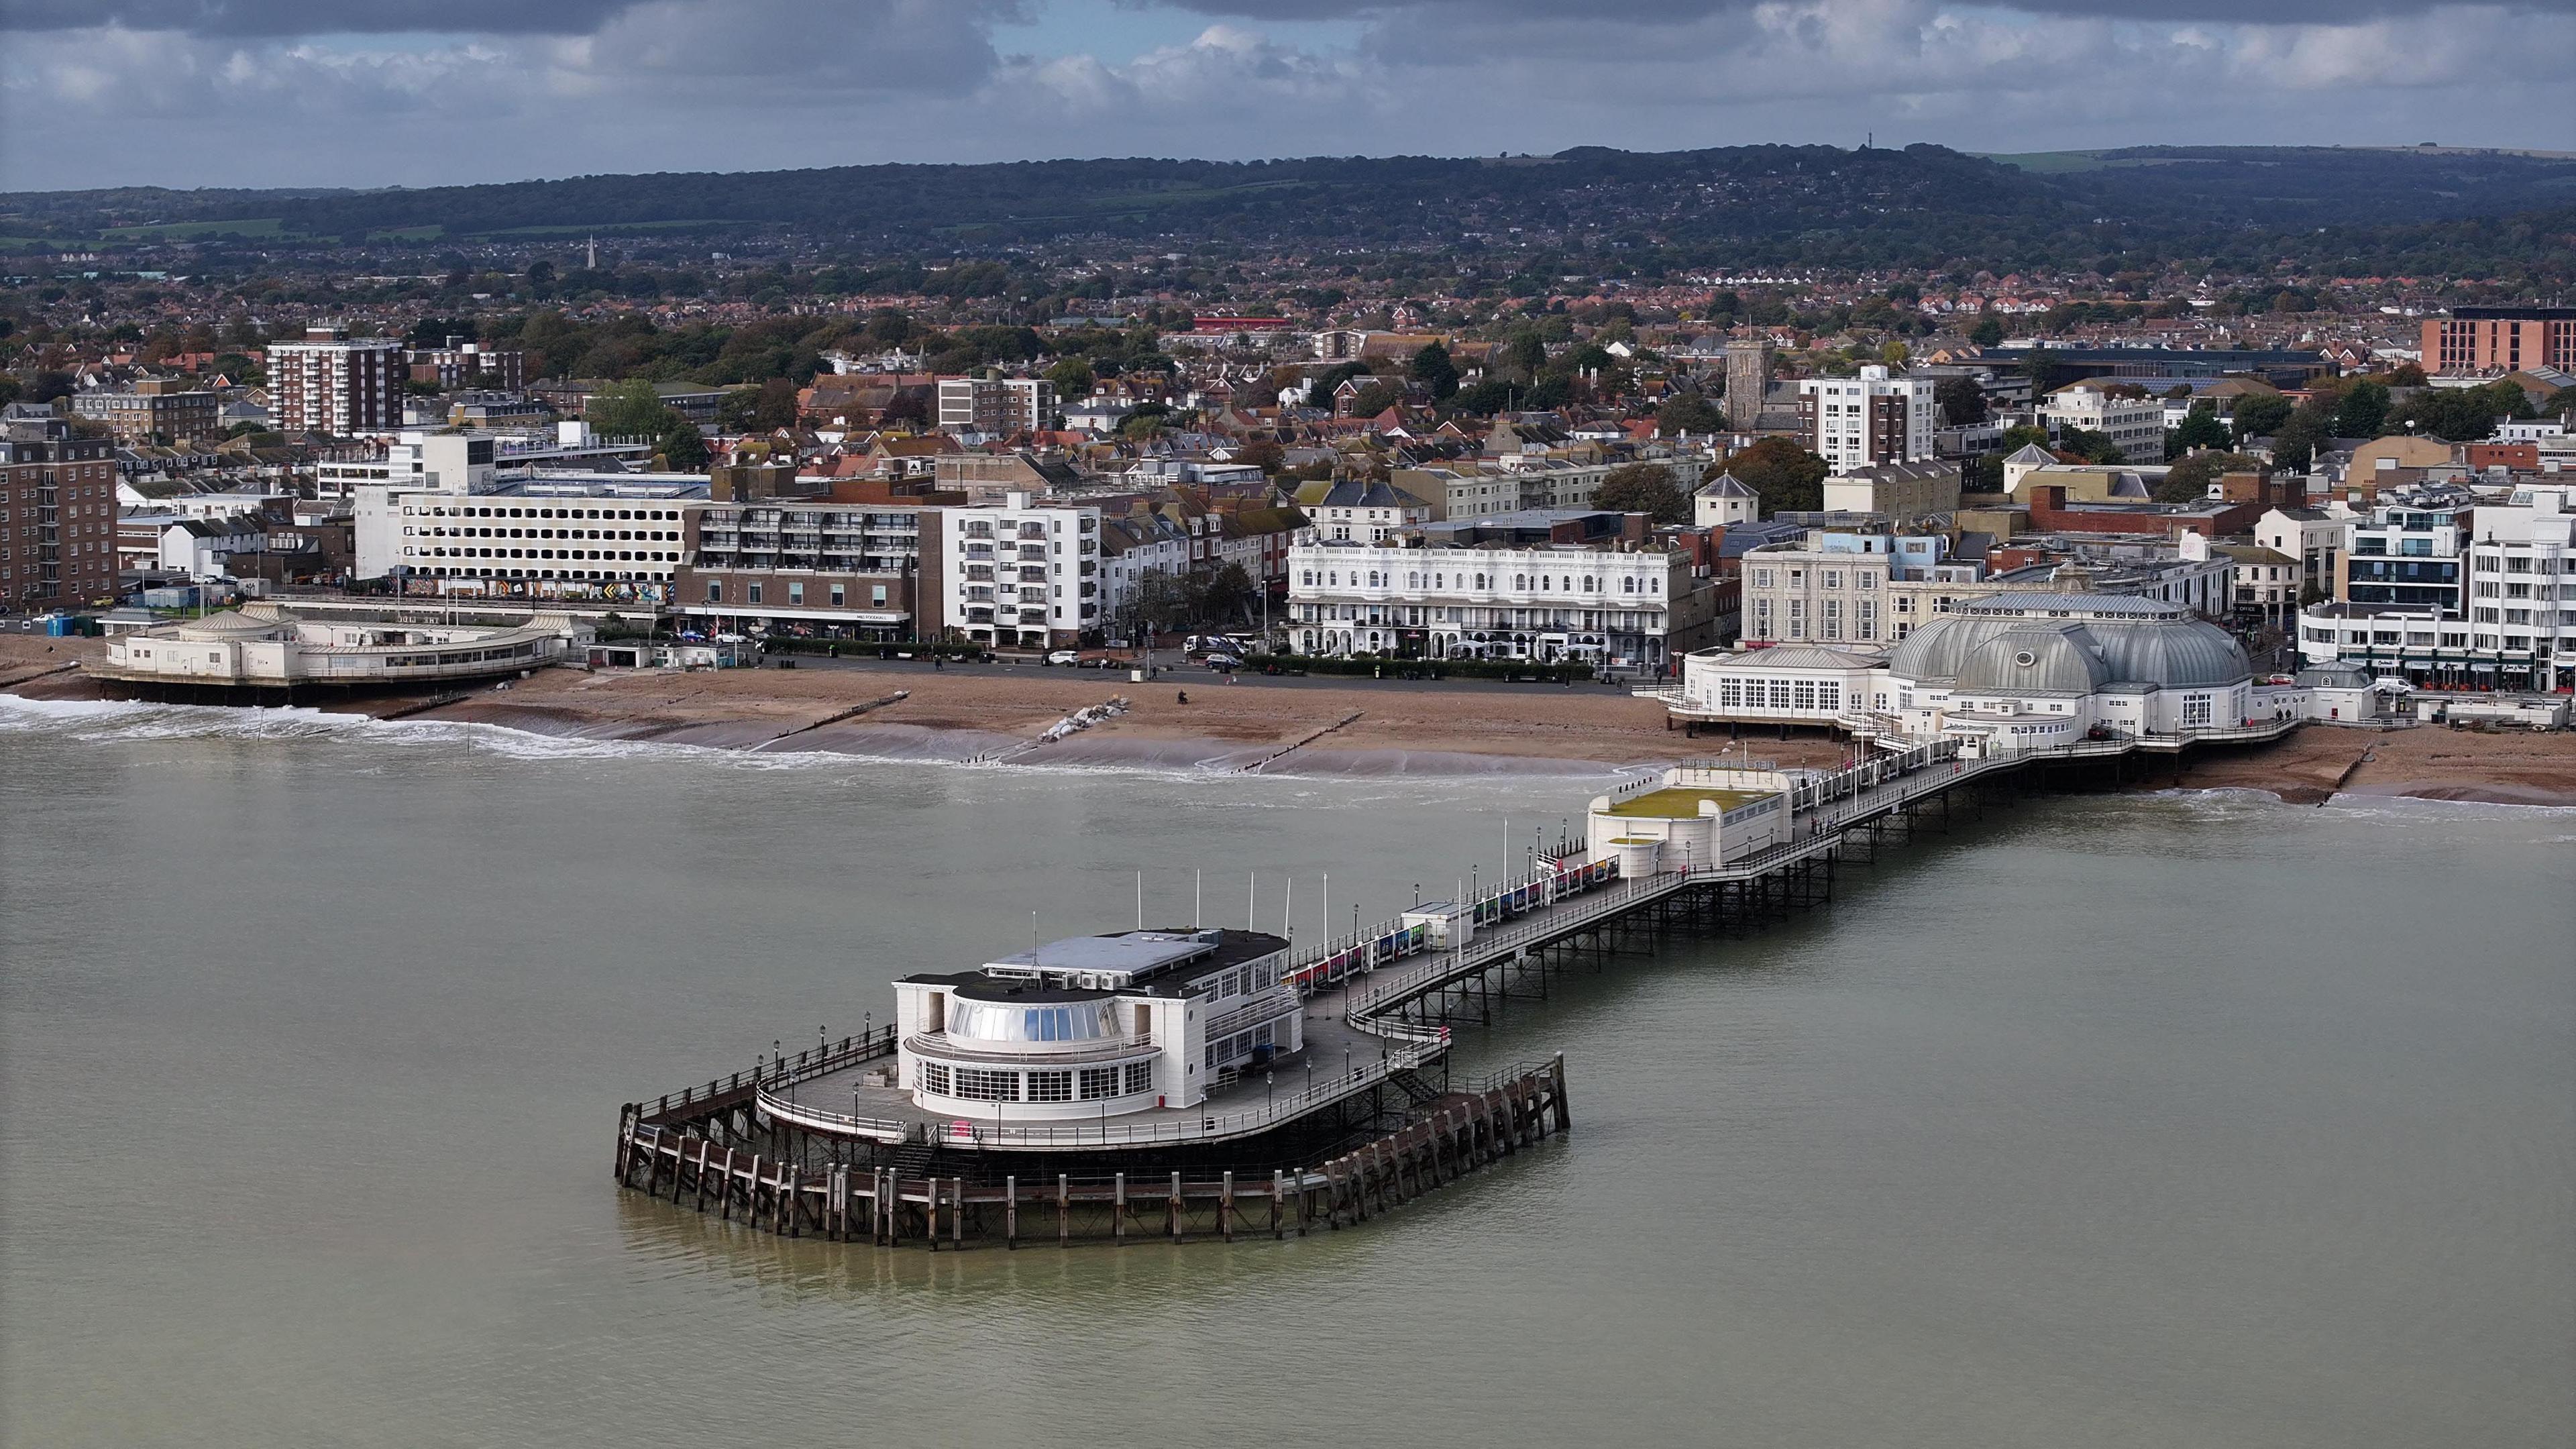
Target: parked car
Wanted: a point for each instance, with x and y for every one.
(1063, 656)
(1224, 662)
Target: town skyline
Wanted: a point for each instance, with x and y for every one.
(389, 94)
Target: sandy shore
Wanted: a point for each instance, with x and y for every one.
(1359, 728)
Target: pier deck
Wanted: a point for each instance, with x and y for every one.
(1339, 1061)
(810, 1143)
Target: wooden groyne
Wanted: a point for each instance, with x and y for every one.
(668, 1152)
(441, 701)
(1294, 746)
(853, 712)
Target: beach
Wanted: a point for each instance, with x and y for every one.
(1319, 725)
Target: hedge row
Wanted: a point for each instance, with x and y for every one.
(1421, 668)
(864, 649)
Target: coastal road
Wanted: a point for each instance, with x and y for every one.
(1195, 677)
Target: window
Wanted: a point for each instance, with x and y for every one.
(839, 596)
(752, 591)
(1140, 1077)
(976, 1084)
(934, 1078)
(795, 593)
(1099, 1082)
(715, 591)
(1051, 1086)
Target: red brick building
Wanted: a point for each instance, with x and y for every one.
(57, 517)
(2498, 340)
(2051, 513)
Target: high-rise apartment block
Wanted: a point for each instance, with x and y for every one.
(57, 515)
(1856, 422)
(333, 383)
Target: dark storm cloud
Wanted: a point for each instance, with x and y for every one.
(316, 17)
(1679, 12)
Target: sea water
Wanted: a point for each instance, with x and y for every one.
(2129, 1120)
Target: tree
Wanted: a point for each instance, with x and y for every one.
(2560, 403)
(1524, 354)
(1962, 400)
(1319, 392)
(2363, 410)
(2407, 374)
(682, 446)
(541, 278)
(2309, 426)
(2188, 481)
(1432, 367)
(1155, 602)
(1689, 412)
(1486, 398)
(908, 406)
(774, 404)
(1989, 332)
(1377, 397)
(2043, 369)
(1646, 488)
(2091, 446)
(1230, 593)
(2459, 415)
(2509, 399)
(1072, 378)
(1788, 477)
(2260, 416)
(2200, 429)
(631, 409)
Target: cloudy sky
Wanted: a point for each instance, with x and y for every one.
(416, 92)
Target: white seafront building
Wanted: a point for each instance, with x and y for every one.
(2009, 671)
(1539, 585)
(260, 647)
(1095, 1026)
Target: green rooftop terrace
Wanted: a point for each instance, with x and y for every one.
(1681, 802)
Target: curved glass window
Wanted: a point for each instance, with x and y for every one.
(994, 1021)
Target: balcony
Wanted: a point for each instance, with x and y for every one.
(939, 1046)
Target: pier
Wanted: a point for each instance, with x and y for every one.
(827, 1142)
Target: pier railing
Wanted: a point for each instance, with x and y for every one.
(1423, 1045)
(814, 1061)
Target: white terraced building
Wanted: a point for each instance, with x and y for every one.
(1556, 601)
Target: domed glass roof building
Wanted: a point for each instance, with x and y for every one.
(2014, 671)
(2119, 640)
